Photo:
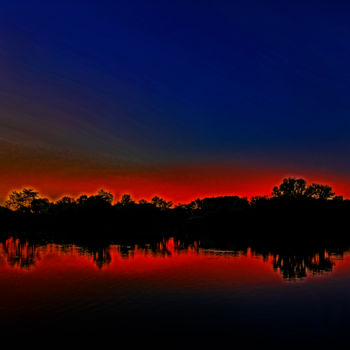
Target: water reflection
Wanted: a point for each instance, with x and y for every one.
(297, 266)
(19, 254)
(290, 264)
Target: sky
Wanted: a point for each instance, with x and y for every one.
(182, 99)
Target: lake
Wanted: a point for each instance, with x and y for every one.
(175, 288)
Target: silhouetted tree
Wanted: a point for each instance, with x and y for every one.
(105, 196)
(161, 203)
(82, 200)
(290, 188)
(40, 206)
(126, 200)
(22, 201)
(297, 189)
(195, 205)
(65, 201)
(259, 201)
(317, 191)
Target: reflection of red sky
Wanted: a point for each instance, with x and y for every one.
(64, 280)
(342, 266)
(65, 274)
(189, 268)
(179, 184)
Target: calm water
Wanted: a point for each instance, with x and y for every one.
(169, 288)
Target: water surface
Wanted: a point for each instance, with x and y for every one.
(173, 288)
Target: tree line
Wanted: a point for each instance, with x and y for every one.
(293, 206)
(28, 200)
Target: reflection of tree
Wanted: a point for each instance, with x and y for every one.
(20, 254)
(163, 248)
(26, 254)
(296, 266)
(291, 262)
(101, 257)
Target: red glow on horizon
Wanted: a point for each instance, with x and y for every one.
(180, 185)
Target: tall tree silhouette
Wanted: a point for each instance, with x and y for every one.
(297, 189)
(317, 191)
(22, 201)
(290, 188)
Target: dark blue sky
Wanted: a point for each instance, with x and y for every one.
(178, 82)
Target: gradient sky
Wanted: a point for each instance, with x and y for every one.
(177, 98)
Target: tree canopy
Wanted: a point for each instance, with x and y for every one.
(292, 188)
(22, 200)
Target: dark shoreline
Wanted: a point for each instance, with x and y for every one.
(296, 215)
